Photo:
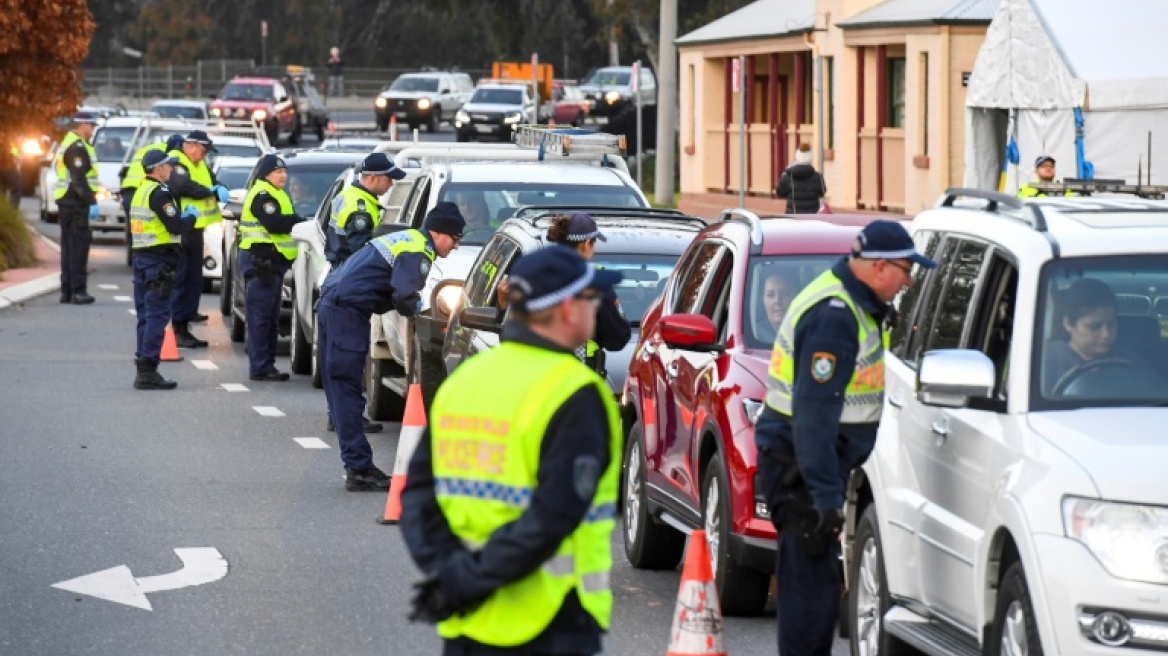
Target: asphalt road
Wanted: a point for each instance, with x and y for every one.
(96, 475)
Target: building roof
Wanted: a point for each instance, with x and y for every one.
(764, 18)
(894, 13)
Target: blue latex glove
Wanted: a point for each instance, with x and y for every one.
(190, 213)
(220, 192)
(94, 212)
(418, 307)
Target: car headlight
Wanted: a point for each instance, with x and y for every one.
(1129, 540)
(612, 97)
(752, 408)
(447, 300)
(513, 118)
(260, 114)
(215, 111)
(103, 194)
(32, 148)
(423, 103)
(380, 103)
(462, 116)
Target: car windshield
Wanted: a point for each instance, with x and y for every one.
(414, 84)
(644, 278)
(771, 283)
(1103, 332)
(308, 184)
(111, 144)
(607, 78)
(498, 96)
(237, 150)
(242, 91)
(178, 111)
(233, 177)
(485, 205)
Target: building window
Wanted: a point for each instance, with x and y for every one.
(895, 92)
(829, 89)
(924, 103)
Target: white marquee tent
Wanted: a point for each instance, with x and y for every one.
(1041, 60)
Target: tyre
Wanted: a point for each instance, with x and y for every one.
(428, 373)
(300, 350)
(382, 124)
(320, 130)
(461, 137)
(648, 545)
(317, 381)
(1014, 632)
(225, 284)
(868, 599)
(297, 130)
(381, 403)
(238, 328)
(413, 126)
(208, 285)
(742, 591)
(433, 122)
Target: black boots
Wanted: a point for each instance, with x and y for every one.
(183, 337)
(148, 377)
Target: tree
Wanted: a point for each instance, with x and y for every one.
(170, 33)
(44, 44)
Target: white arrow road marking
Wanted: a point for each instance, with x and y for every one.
(108, 287)
(200, 565)
(233, 387)
(311, 442)
(123, 299)
(205, 364)
(267, 410)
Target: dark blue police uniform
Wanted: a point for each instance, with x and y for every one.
(153, 265)
(75, 209)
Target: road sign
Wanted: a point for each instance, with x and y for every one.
(735, 74)
(636, 86)
(264, 28)
(117, 584)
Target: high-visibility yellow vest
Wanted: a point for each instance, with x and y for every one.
(392, 245)
(251, 231)
(146, 228)
(62, 184)
(486, 440)
(207, 208)
(353, 199)
(1026, 191)
(135, 173)
(864, 396)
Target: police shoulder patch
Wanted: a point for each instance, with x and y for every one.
(169, 209)
(425, 267)
(269, 208)
(360, 222)
(585, 476)
(822, 366)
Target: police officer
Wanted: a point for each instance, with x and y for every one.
(1044, 169)
(824, 396)
(510, 497)
(76, 195)
(196, 187)
(266, 253)
(356, 211)
(156, 229)
(133, 175)
(386, 275)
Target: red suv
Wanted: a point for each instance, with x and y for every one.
(267, 101)
(695, 385)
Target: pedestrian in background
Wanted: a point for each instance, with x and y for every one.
(514, 540)
(801, 185)
(76, 195)
(387, 274)
(266, 252)
(825, 394)
(156, 229)
(336, 73)
(195, 186)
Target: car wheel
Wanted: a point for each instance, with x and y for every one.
(300, 350)
(225, 291)
(648, 545)
(461, 137)
(320, 130)
(238, 328)
(208, 285)
(434, 120)
(413, 126)
(868, 598)
(382, 124)
(381, 403)
(1014, 632)
(317, 381)
(742, 591)
(428, 373)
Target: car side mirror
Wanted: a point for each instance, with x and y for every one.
(447, 298)
(950, 378)
(690, 332)
(304, 232)
(485, 319)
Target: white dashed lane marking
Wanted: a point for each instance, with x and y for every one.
(123, 299)
(311, 442)
(108, 287)
(267, 410)
(205, 364)
(233, 387)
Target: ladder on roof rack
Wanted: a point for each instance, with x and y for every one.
(566, 140)
(145, 134)
(431, 153)
(1086, 187)
(535, 213)
(994, 199)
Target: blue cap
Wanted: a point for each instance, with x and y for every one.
(445, 218)
(381, 164)
(1042, 158)
(267, 164)
(85, 117)
(582, 227)
(888, 240)
(174, 142)
(200, 137)
(544, 278)
(155, 158)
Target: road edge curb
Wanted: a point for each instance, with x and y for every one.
(26, 291)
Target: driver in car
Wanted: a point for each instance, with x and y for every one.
(474, 209)
(1090, 326)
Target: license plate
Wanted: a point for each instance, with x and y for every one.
(485, 128)
(401, 114)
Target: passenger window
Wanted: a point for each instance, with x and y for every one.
(697, 271)
(480, 285)
(416, 206)
(908, 303)
(324, 212)
(993, 327)
(716, 304)
(958, 271)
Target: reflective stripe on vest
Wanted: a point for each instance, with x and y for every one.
(406, 241)
(135, 174)
(864, 396)
(353, 199)
(251, 231)
(486, 440)
(207, 208)
(62, 184)
(146, 229)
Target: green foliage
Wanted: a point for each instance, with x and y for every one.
(16, 247)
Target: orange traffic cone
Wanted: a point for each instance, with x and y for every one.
(393, 128)
(411, 432)
(697, 621)
(169, 347)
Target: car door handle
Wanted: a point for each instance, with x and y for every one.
(895, 401)
(671, 370)
(941, 427)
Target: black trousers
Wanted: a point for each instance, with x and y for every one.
(75, 241)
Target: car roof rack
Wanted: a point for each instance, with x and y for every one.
(432, 153)
(1087, 186)
(565, 140)
(741, 213)
(993, 199)
(213, 127)
(536, 213)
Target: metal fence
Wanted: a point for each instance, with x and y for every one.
(206, 78)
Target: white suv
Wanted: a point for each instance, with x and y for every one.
(1016, 501)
